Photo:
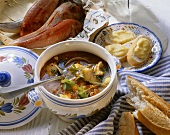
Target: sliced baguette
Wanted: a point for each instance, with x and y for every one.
(127, 125)
(119, 51)
(151, 110)
(119, 37)
(153, 119)
(140, 51)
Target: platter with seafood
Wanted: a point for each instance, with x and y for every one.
(43, 26)
(136, 47)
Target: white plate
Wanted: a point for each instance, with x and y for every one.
(19, 63)
(138, 30)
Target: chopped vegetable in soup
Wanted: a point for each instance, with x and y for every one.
(85, 75)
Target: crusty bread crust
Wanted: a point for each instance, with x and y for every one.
(127, 125)
(132, 59)
(154, 120)
(148, 95)
(152, 110)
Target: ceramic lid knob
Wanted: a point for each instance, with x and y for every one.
(5, 79)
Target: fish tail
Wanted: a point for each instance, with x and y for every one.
(5, 39)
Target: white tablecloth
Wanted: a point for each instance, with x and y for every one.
(154, 14)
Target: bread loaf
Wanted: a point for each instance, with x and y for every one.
(151, 110)
(140, 51)
(127, 125)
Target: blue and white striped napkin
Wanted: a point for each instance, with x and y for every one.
(106, 121)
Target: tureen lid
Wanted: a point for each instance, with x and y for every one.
(16, 68)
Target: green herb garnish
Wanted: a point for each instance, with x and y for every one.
(82, 93)
(67, 84)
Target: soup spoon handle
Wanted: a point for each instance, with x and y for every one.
(13, 91)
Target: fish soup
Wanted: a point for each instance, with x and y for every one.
(85, 75)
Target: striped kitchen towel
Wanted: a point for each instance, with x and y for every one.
(106, 121)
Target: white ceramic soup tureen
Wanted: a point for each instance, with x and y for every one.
(74, 108)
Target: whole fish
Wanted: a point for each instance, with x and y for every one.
(66, 10)
(65, 29)
(78, 2)
(5, 39)
(11, 27)
(37, 15)
(15, 27)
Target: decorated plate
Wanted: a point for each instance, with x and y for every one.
(16, 68)
(137, 29)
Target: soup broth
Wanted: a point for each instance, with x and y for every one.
(85, 74)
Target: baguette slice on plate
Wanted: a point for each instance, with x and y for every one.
(119, 50)
(140, 51)
(119, 37)
(151, 110)
(127, 125)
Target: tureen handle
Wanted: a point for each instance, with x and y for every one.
(35, 98)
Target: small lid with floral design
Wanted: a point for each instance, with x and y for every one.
(16, 68)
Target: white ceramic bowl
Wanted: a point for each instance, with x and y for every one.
(75, 108)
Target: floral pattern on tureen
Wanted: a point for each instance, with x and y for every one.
(18, 104)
